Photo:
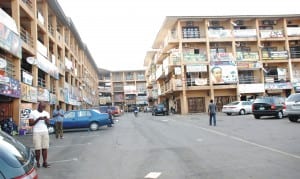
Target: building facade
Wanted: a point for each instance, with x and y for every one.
(42, 58)
(225, 58)
(128, 89)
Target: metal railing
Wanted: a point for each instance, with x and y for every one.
(26, 37)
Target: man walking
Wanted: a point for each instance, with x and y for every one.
(212, 108)
(58, 115)
(39, 119)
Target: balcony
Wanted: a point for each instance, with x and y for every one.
(197, 82)
(220, 33)
(248, 80)
(26, 37)
(28, 3)
(244, 33)
(276, 79)
(278, 33)
(194, 58)
(275, 55)
(293, 31)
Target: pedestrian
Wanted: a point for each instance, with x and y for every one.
(58, 115)
(39, 119)
(212, 108)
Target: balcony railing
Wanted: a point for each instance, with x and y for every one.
(293, 31)
(244, 33)
(219, 33)
(26, 37)
(271, 33)
(248, 80)
(275, 55)
(28, 3)
(276, 79)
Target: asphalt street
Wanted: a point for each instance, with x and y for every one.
(177, 147)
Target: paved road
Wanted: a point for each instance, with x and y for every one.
(178, 147)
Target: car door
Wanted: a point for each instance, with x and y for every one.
(248, 106)
(84, 118)
(102, 118)
(69, 120)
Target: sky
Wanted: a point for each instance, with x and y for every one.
(118, 33)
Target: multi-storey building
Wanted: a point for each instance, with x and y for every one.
(224, 58)
(42, 58)
(129, 89)
(105, 89)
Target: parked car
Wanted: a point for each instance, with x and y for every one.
(269, 106)
(238, 107)
(114, 110)
(84, 118)
(148, 109)
(160, 109)
(293, 107)
(16, 160)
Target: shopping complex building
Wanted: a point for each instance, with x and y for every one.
(124, 88)
(225, 58)
(42, 58)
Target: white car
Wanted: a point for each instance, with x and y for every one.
(238, 107)
(293, 107)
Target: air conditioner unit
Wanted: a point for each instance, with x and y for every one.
(239, 22)
(269, 22)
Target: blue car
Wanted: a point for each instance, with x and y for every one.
(84, 118)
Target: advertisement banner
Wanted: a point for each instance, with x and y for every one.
(224, 74)
(10, 41)
(10, 87)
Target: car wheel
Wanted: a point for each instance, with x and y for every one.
(51, 129)
(229, 114)
(293, 118)
(94, 126)
(280, 115)
(242, 112)
(256, 116)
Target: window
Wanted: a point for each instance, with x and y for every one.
(84, 114)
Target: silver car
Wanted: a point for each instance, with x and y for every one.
(293, 107)
(238, 107)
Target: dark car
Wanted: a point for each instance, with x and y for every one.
(268, 106)
(17, 161)
(160, 109)
(84, 118)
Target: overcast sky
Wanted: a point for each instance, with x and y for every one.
(118, 33)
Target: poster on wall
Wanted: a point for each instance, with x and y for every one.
(224, 73)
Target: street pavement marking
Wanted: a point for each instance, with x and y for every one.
(153, 175)
(265, 147)
(63, 161)
(251, 143)
(213, 131)
(62, 146)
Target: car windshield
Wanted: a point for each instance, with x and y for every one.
(13, 152)
(96, 111)
(294, 97)
(234, 103)
(263, 100)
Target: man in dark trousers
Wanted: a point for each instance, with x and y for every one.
(58, 115)
(212, 108)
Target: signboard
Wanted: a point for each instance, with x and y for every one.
(224, 73)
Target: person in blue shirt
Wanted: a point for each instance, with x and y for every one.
(58, 116)
(212, 109)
